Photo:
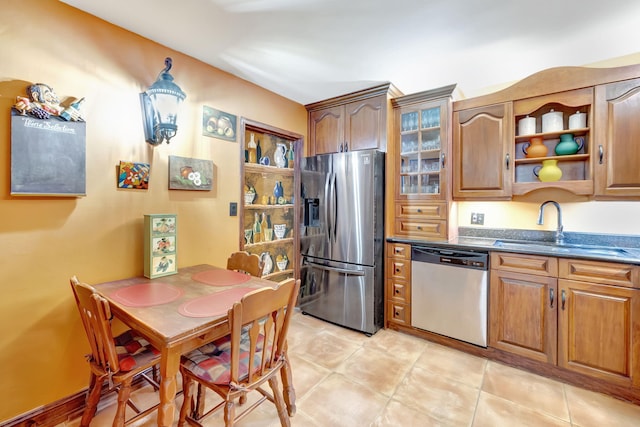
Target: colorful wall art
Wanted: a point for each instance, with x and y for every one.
(190, 174)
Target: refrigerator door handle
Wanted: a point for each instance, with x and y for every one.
(325, 205)
(335, 269)
(333, 207)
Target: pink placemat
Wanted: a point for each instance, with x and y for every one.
(214, 304)
(146, 294)
(220, 277)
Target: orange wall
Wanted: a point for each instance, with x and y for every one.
(99, 237)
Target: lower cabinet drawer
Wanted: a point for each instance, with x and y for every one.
(421, 229)
(399, 313)
(425, 211)
(607, 273)
(399, 269)
(398, 291)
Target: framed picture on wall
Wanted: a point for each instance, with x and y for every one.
(133, 175)
(218, 124)
(186, 173)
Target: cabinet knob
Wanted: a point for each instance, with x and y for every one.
(419, 210)
(563, 298)
(419, 227)
(397, 291)
(507, 160)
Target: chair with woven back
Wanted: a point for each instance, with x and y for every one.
(254, 353)
(114, 359)
(245, 262)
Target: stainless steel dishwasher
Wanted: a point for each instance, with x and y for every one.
(449, 293)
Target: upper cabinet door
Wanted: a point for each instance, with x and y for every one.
(365, 124)
(617, 152)
(326, 129)
(482, 152)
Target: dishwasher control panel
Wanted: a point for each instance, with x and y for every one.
(459, 258)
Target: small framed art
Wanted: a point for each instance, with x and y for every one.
(190, 174)
(133, 175)
(218, 124)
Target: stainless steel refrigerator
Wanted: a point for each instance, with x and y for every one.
(342, 239)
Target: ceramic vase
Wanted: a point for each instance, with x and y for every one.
(278, 191)
(569, 145)
(535, 148)
(549, 172)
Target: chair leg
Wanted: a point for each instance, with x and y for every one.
(287, 388)
(123, 397)
(187, 389)
(93, 397)
(279, 402)
(199, 408)
(229, 413)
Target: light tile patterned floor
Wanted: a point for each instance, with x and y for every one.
(345, 379)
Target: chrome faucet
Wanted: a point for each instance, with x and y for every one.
(559, 231)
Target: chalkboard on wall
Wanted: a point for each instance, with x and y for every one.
(47, 157)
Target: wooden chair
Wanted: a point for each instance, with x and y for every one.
(259, 325)
(246, 263)
(117, 360)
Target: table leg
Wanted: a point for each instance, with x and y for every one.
(287, 388)
(169, 366)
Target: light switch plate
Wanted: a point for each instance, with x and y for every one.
(233, 209)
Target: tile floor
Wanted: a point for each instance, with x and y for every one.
(345, 379)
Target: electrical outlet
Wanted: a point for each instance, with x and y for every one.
(233, 209)
(477, 218)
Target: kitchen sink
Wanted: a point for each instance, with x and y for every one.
(565, 248)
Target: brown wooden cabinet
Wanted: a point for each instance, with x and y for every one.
(260, 206)
(617, 173)
(357, 121)
(582, 315)
(482, 152)
(576, 171)
(523, 315)
(488, 159)
(398, 284)
(419, 167)
(599, 320)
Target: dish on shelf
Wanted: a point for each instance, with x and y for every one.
(279, 230)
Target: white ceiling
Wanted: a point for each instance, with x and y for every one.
(310, 50)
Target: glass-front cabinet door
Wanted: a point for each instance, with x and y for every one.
(422, 150)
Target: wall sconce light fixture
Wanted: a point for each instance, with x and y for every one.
(160, 107)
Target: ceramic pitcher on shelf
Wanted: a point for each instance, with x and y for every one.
(280, 156)
(569, 145)
(549, 172)
(535, 148)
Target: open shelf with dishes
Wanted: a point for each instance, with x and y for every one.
(552, 143)
(267, 215)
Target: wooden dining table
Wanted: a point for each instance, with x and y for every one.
(179, 313)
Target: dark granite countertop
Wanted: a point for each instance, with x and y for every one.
(610, 247)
